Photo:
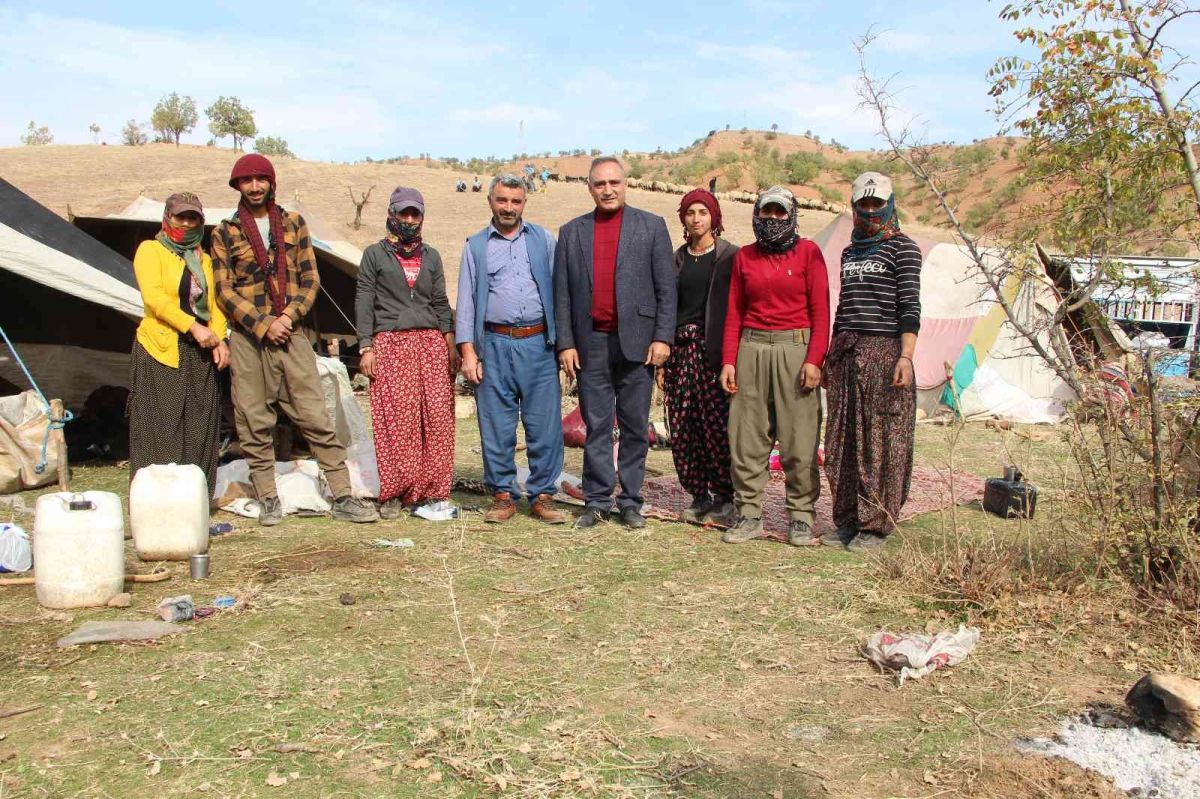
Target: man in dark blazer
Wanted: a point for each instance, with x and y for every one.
(614, 297)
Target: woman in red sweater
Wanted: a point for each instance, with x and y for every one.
(776, 333)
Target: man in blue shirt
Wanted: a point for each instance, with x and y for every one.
(506, 334)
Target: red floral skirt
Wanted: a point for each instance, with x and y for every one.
(412, 411)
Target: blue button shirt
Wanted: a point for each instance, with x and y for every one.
(512, 293)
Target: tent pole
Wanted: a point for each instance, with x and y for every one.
(60, 446)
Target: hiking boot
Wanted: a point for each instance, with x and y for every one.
(271, 512)
(746, 529)
(542, 509)
(391, 510)
(353, 509)
(632, 518)
(867, 542)
(590, 518)
(695, 513)
(502, 508)
(840, 537)
(722, 514)
(800, 534)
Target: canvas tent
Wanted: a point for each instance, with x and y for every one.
(995, 372)
(68, 303)
(337, 261)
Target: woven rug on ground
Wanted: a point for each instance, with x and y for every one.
(930, 491)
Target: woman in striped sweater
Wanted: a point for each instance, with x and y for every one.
(872, 392)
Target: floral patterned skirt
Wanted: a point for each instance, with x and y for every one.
(412, 411)
(698, 413)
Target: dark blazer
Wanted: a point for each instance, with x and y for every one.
(718, 298)
(645, 283)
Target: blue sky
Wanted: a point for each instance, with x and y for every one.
(346, 79)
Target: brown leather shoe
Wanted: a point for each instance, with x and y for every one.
(543, 509)
(502, 508)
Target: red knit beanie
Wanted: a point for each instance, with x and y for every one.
(709, 201)
(252, 165)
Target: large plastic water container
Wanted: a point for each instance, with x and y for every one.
(168, 512)
(78, 549)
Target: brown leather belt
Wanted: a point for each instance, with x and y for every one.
(515, 332)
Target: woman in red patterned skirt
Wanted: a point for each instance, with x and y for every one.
(406, 344)
(697, 408)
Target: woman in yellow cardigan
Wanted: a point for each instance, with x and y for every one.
(175, 399)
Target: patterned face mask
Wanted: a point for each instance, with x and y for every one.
(775, 235)
(404, 231)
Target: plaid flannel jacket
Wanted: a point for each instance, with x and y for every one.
(242, 288)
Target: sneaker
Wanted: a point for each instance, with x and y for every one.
(502, 508)
(695, 513)
(840, 537)
(632, 518)
(271, 512)
(800, 534)
(591, 517)
(722, 514)
(353, 509)
(391, 510)
(746, 529)
(867, 542)
(542, 508)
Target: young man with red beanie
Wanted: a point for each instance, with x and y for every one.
(697, 408)
(266, 282)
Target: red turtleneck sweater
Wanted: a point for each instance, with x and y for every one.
(604, 270)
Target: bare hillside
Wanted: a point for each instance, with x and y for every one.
(96, 180)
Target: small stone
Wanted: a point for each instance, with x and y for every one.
(120, 601)
(347, 599)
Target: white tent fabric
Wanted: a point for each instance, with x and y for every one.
(33, 260)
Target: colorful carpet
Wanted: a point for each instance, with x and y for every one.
(931, 491)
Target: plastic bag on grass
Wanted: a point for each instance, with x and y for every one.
(915, 655)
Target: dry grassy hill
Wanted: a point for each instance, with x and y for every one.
(97, 180)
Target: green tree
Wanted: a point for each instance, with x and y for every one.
(35, 136)
(174, 116)
(228, 117)
(132, 134)
(273, 145)
(94, 129)
(1098, 113)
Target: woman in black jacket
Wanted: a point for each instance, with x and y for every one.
(406, 343)
(697, 408)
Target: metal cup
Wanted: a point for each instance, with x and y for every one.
(198, 566)
(1012, 474)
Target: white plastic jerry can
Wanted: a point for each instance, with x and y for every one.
(168, 512)
(78, 549)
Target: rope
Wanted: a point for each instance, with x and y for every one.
(338, 307)
(55, 424)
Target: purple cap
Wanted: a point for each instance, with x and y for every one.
(407, 198)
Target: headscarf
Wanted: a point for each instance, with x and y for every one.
(873, 228)
(185, 243)
(403, 238)
(776, 235)
(709, 201)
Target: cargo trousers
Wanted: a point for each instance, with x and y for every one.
(770, 406)
(266, 376)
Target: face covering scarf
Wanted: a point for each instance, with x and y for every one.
(873, 228)
(776, 235)
(185, 242)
